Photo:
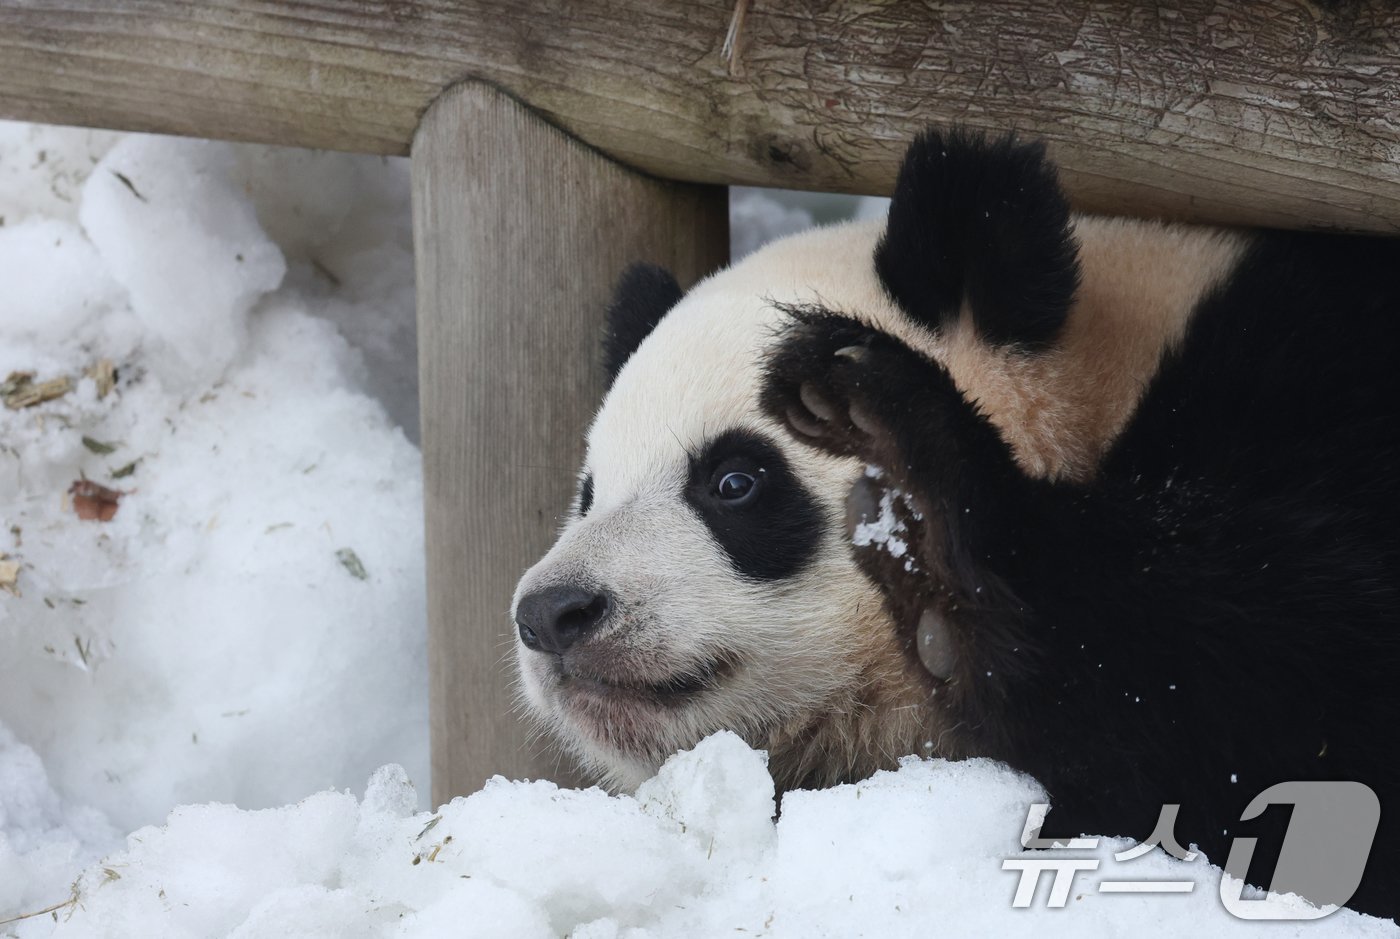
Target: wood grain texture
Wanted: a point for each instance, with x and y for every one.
(519, 234)
(1274, 112)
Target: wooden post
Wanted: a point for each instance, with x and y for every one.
(520, 232)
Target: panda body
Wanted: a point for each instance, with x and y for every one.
(1133, 484)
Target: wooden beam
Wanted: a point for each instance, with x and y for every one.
(519, 234)
(1273, 112)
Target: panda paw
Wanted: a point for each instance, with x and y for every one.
(833, 384)
(818, 382)
(844, 387)
(851, 390)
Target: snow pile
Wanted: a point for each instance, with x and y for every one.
(172, 227)
(695, 853)
(42, 840)
(250, 624)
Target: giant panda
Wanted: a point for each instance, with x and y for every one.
(1113, 501)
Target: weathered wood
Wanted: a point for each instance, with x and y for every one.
(519, 233)
(1277, 112)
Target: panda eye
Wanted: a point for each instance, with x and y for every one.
(737, 487)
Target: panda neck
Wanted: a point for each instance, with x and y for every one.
(887, 714)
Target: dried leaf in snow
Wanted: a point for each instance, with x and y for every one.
(14, 382)
(104, 373)
(125, 471)
(20, 390)
(93, 501)
(9, 575)
(126, 181)
(98, 447)
(351, 562)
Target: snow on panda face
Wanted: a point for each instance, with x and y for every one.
(704, 580)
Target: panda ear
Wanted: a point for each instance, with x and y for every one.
(644, 294)
(983, 223)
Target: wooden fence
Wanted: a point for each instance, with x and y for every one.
(554, 141)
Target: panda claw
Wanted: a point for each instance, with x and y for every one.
(854, 353)
(814, 402)
(805, 423)
(863, 419)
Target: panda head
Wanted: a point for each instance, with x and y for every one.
(703, 580)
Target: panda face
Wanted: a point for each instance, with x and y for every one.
(703, 580)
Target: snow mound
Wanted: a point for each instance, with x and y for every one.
(42, 839)
(43, 169)
(174, 230)
(250, 625)
(54, 281)
(696, 852)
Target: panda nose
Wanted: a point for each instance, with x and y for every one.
(553, 619)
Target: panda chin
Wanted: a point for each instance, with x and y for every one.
(634, 716)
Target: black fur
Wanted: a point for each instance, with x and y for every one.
(644, 294)
(776, 535)
(585, 495)
(985, 222)
(1217, 611)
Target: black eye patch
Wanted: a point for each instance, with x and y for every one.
(766, 521)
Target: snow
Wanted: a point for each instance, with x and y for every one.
(249, 626)
(696, 852)
(209, 642)
(884, 530)
(174, 230)
(887, 530)
(43, 840)
(54, 280)
(757, 216)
